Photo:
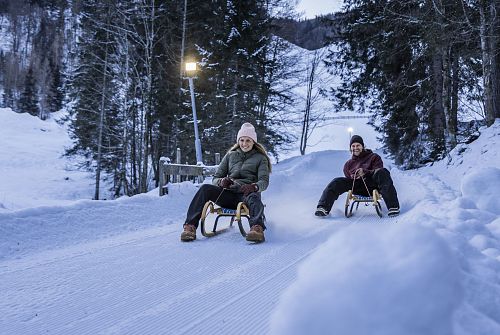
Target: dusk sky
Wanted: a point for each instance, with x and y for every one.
(318, 7)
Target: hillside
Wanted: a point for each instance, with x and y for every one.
(33, 171)
(310, 34)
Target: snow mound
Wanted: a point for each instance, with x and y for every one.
(390, 280)
(482, 188)
(469, 158)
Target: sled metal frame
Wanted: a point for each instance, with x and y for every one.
(356, 199)
(237, 214)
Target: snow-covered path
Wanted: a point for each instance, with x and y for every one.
(118, 267)
(147, 282)
(150, 285)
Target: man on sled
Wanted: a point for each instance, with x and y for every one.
(365, 170)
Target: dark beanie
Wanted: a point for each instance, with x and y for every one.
(357, 139)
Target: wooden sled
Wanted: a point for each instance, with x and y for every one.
(237, 214)
(355, 199)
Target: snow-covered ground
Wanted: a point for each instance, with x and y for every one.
(117, 267)
(33, 171)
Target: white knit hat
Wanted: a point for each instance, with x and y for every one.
(247, 130)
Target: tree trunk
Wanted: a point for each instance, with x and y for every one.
(125, 137)
(453, 120)
(149, 49)
(133, 155)
(450, 129)
(437, 125)
(495, 58)
(307, 112)
(487, 58)
(101, 118)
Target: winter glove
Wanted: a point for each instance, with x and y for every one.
(226, 182)
(358, 174)
(249, 188)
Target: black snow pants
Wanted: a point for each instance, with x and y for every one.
(227, 199)
(380, 180)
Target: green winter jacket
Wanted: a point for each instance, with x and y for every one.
(244, 168)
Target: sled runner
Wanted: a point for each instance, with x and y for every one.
(355, 199)
(237, 214)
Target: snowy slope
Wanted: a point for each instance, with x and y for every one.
(117, 267)
(32, 170)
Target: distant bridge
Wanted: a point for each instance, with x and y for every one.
(346, 117)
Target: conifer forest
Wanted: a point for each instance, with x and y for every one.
(427, 72)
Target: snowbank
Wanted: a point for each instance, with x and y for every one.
(390, 280)
(482, 187)
(468, 158)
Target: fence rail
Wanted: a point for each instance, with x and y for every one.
(176, 172)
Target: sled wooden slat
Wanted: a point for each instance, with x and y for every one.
(355, 199)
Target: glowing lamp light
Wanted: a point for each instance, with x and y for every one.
(190, 67)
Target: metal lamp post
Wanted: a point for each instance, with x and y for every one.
(350, 130)
(190, 74)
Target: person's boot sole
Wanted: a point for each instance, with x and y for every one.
(255, 238)
(187, 238)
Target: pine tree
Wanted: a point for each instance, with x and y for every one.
(242, 68)
(169, 110)
(56, 93)
(94, 113)
(8, 98)
(28, 102)
(403, 57)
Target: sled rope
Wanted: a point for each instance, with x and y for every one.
(219, 195)
(363, 179)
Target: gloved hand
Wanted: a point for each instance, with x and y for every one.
(358, 174)
(226, 182)
(249, 188)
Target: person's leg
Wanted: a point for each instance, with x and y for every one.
(360, 187)
(229, 199)
(256, 208)
(332, 191)
(205, 193)
(383, 180)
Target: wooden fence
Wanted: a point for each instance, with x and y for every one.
(177, 172)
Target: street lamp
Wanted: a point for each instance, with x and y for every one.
(350, 130)
(190, 74)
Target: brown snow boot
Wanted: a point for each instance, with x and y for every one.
(189, 233)
(256, 234)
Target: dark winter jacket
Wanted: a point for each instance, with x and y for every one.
(244, 168)
(367, 160)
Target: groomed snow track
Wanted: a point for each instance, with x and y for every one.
(148, 282)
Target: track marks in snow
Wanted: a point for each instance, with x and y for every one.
(150, 285)
(224, 292)
(147, 282)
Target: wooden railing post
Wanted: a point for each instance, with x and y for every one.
(177, 178)
(164, 177)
